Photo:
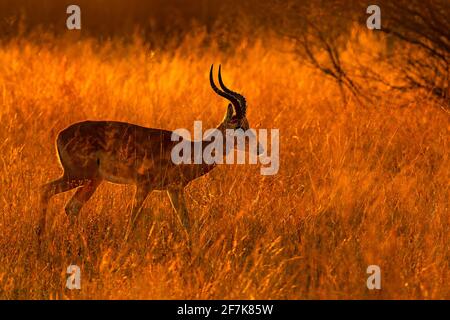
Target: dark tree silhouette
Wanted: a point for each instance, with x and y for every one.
(422, 33)
(417, 31)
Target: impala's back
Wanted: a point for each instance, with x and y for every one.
(117, 152)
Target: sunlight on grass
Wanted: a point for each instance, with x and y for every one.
(357, 185)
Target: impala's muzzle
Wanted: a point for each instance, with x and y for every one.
(259, 150)
(254, 145)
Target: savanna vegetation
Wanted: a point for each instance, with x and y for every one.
(363, 180)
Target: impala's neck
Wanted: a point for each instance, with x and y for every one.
(204, 167)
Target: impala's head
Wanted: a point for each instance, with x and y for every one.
(235, 116)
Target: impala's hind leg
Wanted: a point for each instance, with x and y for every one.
(81, 196)
(48, 190)
(179, 204)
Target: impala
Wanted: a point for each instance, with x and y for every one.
(91, 152)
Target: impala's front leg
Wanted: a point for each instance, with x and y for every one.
(142, 190)
(179, 204)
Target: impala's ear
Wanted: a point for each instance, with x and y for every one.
(229, 113)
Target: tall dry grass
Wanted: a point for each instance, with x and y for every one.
(357, 185)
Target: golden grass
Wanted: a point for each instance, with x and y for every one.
(357, 185)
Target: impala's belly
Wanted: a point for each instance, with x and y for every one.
(116, 170)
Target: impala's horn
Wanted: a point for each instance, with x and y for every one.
(233, 99)
(240, 98)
